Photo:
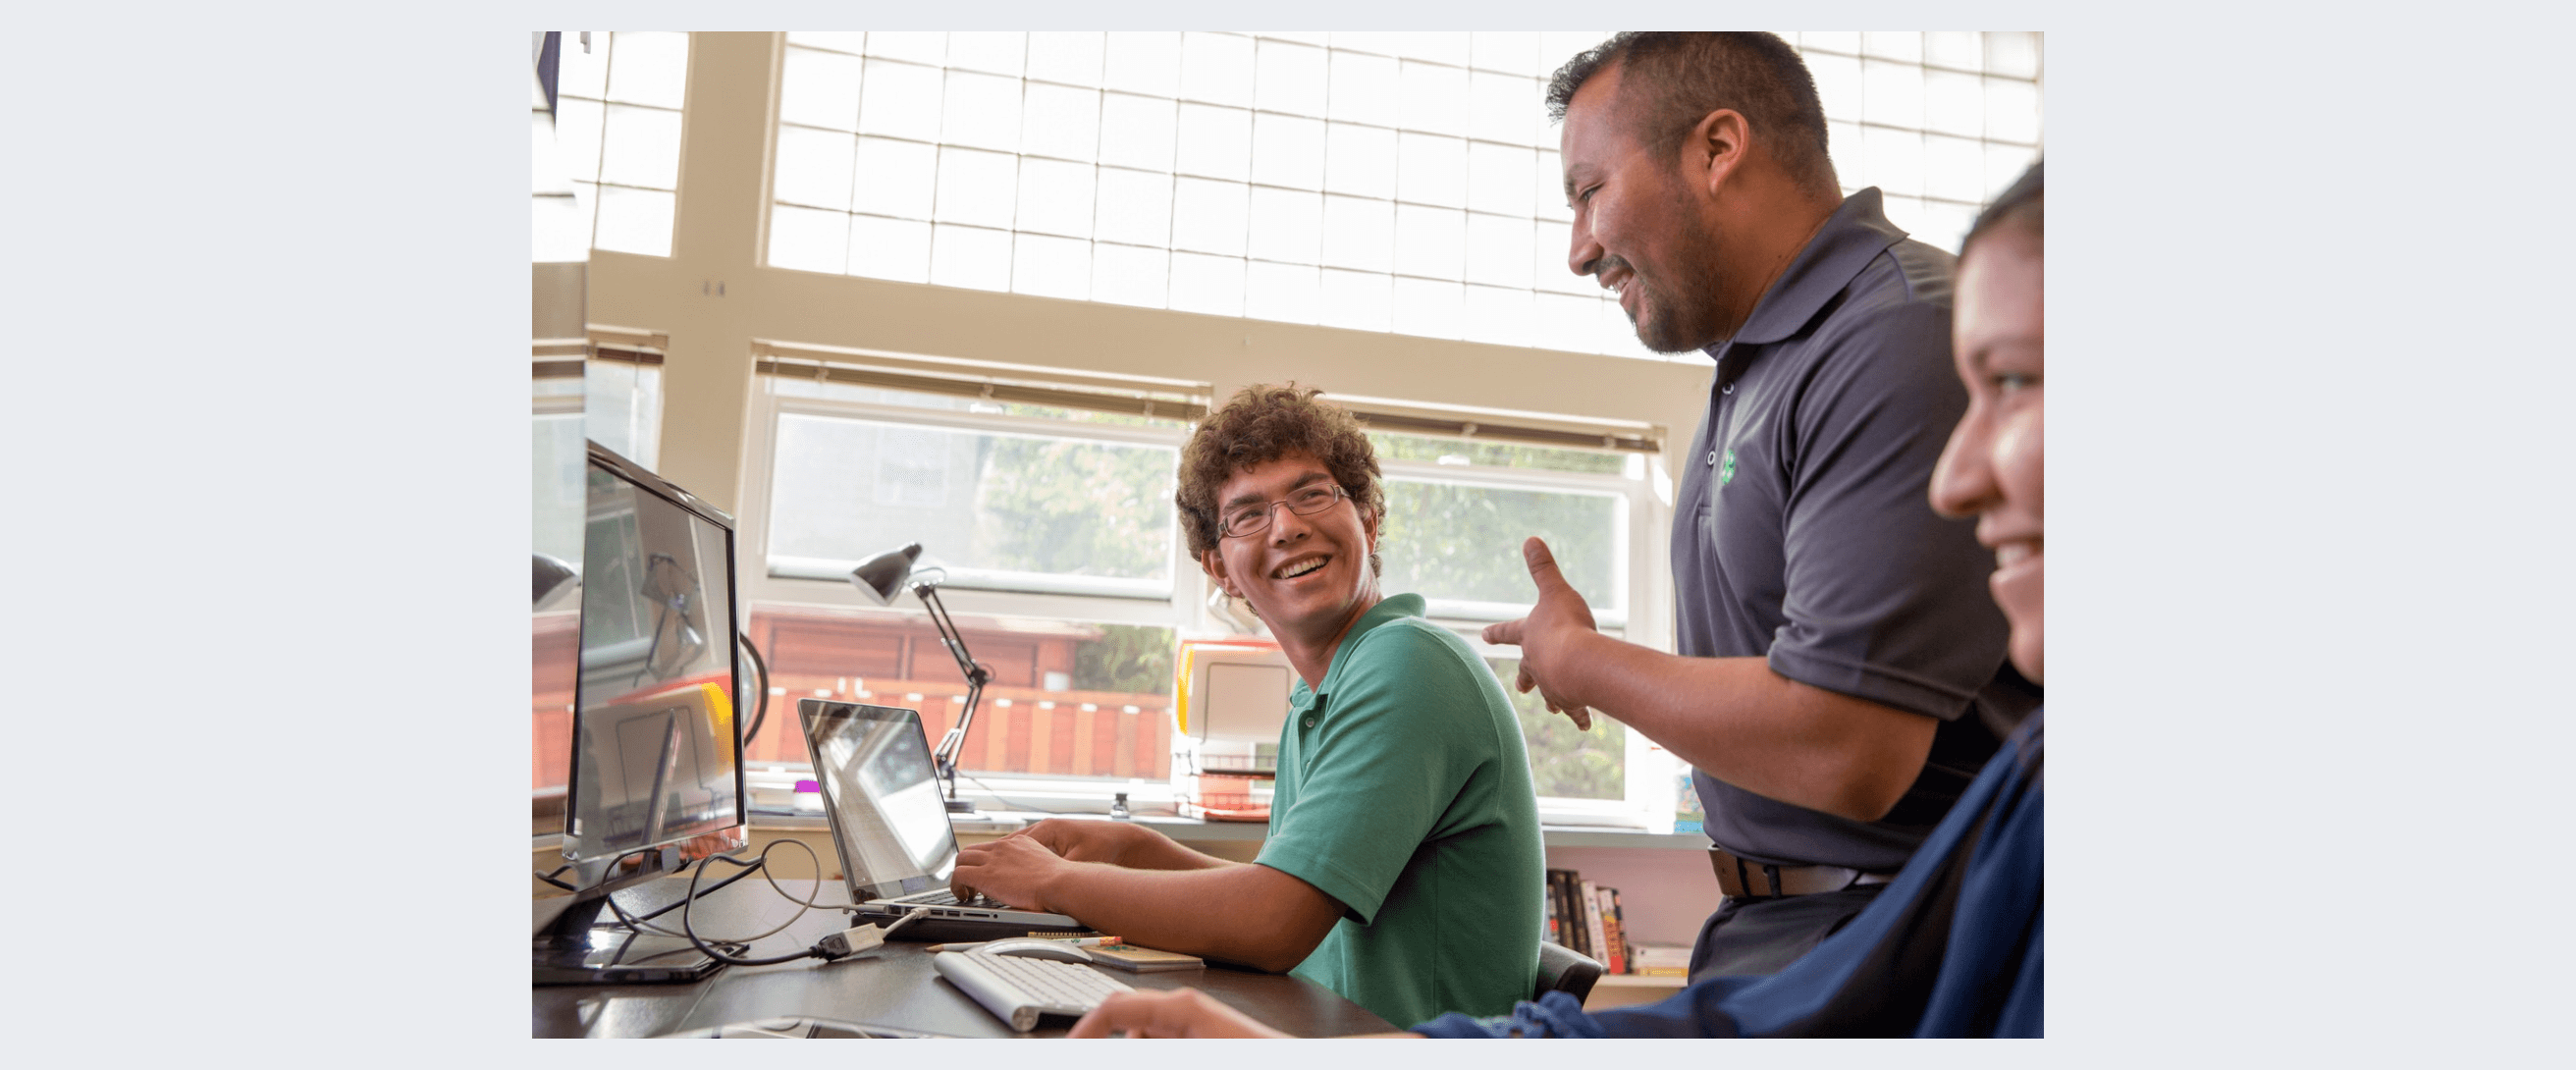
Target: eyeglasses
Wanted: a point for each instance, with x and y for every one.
(1304, 501)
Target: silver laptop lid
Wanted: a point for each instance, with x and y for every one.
(873, 766)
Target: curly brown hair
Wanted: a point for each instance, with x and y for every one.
(1263, 423)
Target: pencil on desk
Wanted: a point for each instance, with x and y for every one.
(1076, 941)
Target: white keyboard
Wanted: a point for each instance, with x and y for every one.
(1017, 990)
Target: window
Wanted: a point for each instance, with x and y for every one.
(1052, 519)
(1003, 497)
(1939, 121)
(1566, 763)
(1053, 526)
(1457, 511)
(1454, 534)
(622, 403)
(1384, 182)
(1403, 182)
(618, 120)
(1068, 699)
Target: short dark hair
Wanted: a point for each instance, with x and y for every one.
(1263, 423)
(2022, 205)
(1671, 81)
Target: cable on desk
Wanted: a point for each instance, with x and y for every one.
(759, 865)
(749, 869)
(818, 951)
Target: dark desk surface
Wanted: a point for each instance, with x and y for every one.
(893, 985)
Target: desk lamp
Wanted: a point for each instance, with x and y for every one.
(881, 578)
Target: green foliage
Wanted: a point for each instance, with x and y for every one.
(1564, 762)
(1452, 541)
(1130, 657)
(1074, 508)
(1448, 540)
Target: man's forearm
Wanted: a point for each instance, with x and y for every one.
(1148, 848)
(1238, 911)
(1752, 727)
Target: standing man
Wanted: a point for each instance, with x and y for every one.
(1833, 632)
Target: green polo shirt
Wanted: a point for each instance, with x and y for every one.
(1404, 793)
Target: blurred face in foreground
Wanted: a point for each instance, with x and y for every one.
(1993, 467)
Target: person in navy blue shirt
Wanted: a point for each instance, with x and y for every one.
(1954, 947)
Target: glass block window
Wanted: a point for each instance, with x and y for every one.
(1940, 122)
(1388, 181)
(617, 118)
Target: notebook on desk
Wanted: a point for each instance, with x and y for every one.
(891, 829)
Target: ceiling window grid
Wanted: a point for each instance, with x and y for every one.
(1403, 182)
(617, 120)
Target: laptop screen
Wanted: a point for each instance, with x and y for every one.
(873, 764)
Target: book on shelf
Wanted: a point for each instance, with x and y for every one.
(1614, 932)
(1659, 960)
(1588, 918)
(1589, 899)
(1562, 891)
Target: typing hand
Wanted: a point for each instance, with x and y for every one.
(1179, 1012)
(1547, 637)
(1081, 841)
(1013, 869)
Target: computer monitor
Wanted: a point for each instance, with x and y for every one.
(1233, 701)
(657, 773)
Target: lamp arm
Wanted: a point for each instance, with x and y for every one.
(976, 675)
(952, 744)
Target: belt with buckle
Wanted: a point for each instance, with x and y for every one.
(1743, 878)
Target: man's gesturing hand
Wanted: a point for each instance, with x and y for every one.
(1549, 635)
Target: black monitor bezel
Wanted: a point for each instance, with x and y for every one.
(644, 479)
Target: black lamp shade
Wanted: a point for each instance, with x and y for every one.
(548, 573)
(881, 577)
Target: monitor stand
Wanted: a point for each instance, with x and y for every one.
(572, 948)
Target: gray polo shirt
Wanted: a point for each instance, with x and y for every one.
(1803, 532)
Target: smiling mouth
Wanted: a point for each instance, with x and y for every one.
(1290, 572)
(2014, 553)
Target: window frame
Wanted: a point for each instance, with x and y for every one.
(967, 596)
(1497, 477)
(1645, 804)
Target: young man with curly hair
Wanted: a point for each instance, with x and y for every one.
(1403, 867)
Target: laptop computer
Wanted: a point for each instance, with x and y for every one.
(891, 828)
